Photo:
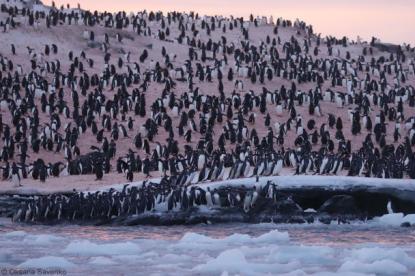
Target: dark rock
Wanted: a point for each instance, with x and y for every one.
(263, 205)
(387, 47)
(121, 51)
(325, 219)
(287, 206)
(405, 224)
(94, 44)
(340, 204)
(309, 219)
(9, 204)
(296, 219)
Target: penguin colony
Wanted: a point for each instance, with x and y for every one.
(197, 97)
(169, 195)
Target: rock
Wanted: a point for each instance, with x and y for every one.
(309, 218)
(405, 224)
(263, 205)
(287, 206)
(9, 204)
(128, 36)
(337, 206)
(386, 47)
(121, 51)
(296, 220)
(340, 204)
(94, 44)
(325, 220)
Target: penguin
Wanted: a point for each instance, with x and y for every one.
(99, 173)
(15, 175)
(389, 207)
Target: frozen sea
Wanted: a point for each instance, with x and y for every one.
(378, 247)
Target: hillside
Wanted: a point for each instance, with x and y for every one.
(320, 105)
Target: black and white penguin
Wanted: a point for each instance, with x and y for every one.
(15, 175)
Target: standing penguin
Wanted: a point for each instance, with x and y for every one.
(15, 176)
(99, 173)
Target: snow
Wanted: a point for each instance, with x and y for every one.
(321, 181)
(310, 210)
(41, 8)
(395, 219)
(410, 218)
(298, 181)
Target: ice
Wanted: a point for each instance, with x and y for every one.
(297, 272)
(87, 248)
(194, 237)
(263, 249)
(390, 219)
(16, 234)
(47, 262)
(395, 219)
(41, 239)
(102, 261)
(302, 253)
(372, 254)
(383, 267)
(410, 218)
(272, 236)
(232, 260)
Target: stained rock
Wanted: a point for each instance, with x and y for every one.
(340, 204)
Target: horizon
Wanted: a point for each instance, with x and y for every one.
(366, 18)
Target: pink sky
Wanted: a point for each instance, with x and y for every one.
(392, 21)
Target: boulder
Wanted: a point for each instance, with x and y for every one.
(287, 206)
(405, 224)
(94, 44)
(340, 204)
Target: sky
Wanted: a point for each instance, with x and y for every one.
(391, 21)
